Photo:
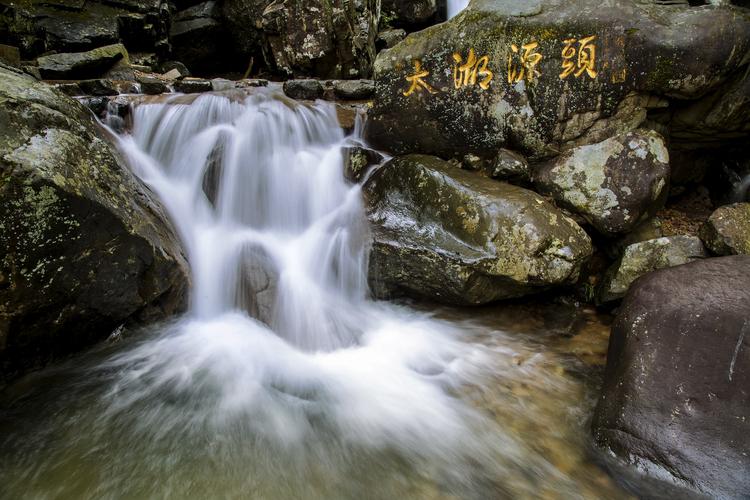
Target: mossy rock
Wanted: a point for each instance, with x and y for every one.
(727, 231)
(615, 184)
(645, 257)
(642, 53)
(458, 237)
(84, 246)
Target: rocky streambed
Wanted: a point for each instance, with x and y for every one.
(525, 173)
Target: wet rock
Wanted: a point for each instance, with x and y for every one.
(81, 65)
(327, 39)
(303, 89)
(222, 84)
(358, 161)
(727, 231)
(175, 66)
(509, 165)
(84, 246)
(615, 184)
(258, 277)
(348, 114)
(193, 85)
(252, 82)
(643, 56)
(675, 400)
(647, 256)
(172, 74)
(458, 237)
(389, 38)
(153, 86)
(354, 89)
(98, 87)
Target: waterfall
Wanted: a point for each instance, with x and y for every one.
(284, 379)
(270, 225)
(456, 6)
(741, 190)
(281, 329)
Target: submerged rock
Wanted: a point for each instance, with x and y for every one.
(84, 247)
(81, 65)
(644, 257)
(727, 231)
(675, 398)
(358, 161)
(544, 76)
(615, 184)
(454, 236)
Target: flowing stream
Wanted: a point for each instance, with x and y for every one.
(285, 380)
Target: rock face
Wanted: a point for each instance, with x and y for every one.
(325, 38)
(409, 13)
(199, 39)
(76, 26)
(544, 76)
(84, 247)
(727, 231)
(642, 258)
(454, 236)
(675, 398)
(614, 184)
(81, 65)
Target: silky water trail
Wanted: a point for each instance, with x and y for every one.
(285, 379)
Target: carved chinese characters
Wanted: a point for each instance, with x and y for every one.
(465, 73)
(578, 56)
(417, 80)
(586, 60)
(525, 67)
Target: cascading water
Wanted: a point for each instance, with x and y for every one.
(284, 380)
(456, 6)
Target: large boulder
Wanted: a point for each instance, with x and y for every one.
(615, 184)
(676, 388)
(84, 247)
(458, 237)
(647, 256)
(544, 76)
(727, 231)
(82, 65)
(324, 38)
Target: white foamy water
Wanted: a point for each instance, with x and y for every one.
(281, 329)
(456, 6)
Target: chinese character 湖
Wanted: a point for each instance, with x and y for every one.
(465, 73)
